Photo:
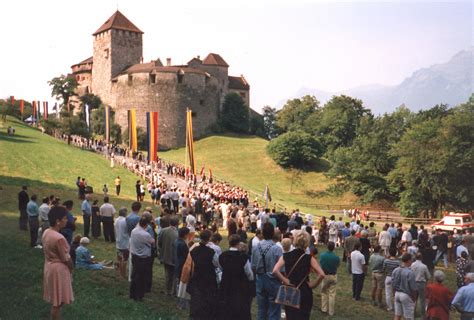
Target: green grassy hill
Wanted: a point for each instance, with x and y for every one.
(49, 166)
(243, 161)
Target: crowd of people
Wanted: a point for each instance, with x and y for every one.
(182, 233)
(399, 261)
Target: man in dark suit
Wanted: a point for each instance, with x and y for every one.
(23, 199)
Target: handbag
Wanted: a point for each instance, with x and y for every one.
(290, 295)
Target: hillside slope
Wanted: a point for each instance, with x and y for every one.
(243, 161)
(36, 160)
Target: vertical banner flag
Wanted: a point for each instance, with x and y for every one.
(107, 123)
(87, 114)
(22, 106)
(33, 112)
(13, 101)
(267, 196)
(132, 130)
(38, 110)
(152, 136)
(190, 142)
(45, 110)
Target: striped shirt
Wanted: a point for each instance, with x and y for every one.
(389, 265)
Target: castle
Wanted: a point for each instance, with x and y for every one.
(117, 74)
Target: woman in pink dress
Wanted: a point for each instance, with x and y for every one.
(58, 264)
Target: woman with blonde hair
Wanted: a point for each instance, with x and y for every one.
(299, 265)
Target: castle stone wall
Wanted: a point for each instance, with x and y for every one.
(171, 99)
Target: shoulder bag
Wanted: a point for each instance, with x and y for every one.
(289, 295)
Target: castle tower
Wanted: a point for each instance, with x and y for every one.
(216, 66)
(117, 45)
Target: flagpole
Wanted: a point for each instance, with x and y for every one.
(186, 138)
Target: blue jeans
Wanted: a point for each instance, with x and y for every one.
(440, 254)
(267, 288)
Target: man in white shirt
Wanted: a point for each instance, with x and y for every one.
(358, 269)
(174, 196)
(107, 212)
(122, 244)
(140, 248)
(225, 213)
(406, 237)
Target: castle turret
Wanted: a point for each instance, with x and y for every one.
(117, 45)
(216, 66)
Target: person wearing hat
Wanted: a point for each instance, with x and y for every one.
(84, 260)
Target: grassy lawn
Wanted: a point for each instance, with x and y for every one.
(243, 161)
(49, 166)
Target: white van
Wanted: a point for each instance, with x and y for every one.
(459, 221)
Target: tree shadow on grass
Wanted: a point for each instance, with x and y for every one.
(19, 181)
(15, 138)
(318, 165)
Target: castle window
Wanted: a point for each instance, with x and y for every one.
(180, 78)
(130, 79)
(193, 114)
(152, 78)
(106, 53)
(201, 102)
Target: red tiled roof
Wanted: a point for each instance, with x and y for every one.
(88, 60)
(238, 83)
(118, 21)
(214, 59)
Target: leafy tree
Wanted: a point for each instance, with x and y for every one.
(73, 125)
(93, 101)
(116, 133)
(6, 108)
(435, 166)
(458, 139)
(295, 112)
(98, 120)
(141, 138)
(363, 167)
(235, 114)
(98, 125)
(339, 121)
(256, 124)
(270, 127)
(51, 125)
(63, 88)
(294, 149)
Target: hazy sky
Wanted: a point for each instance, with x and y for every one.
(279, 46)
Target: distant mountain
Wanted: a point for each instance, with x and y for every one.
(451, 82)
